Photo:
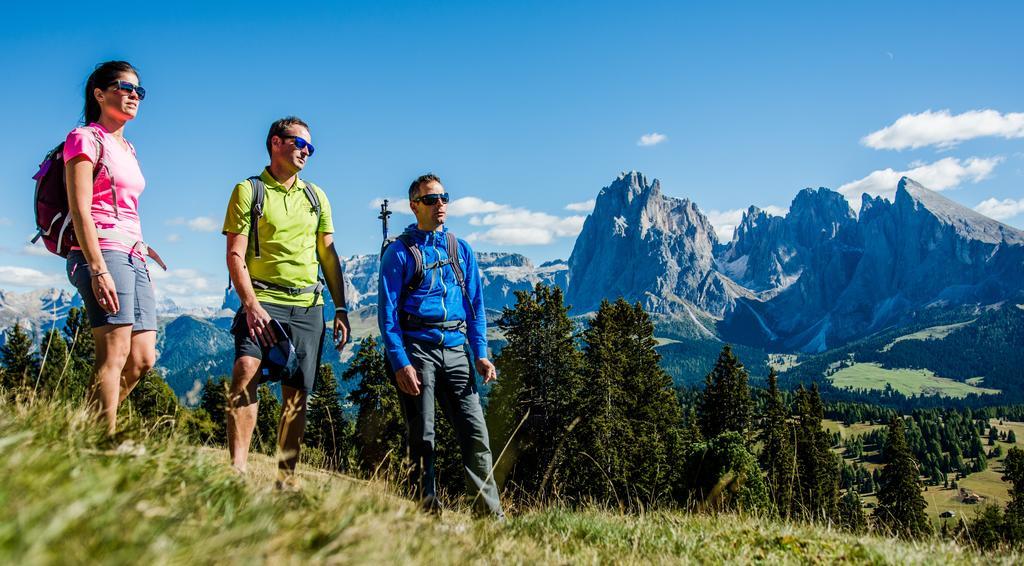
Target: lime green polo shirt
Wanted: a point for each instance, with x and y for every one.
(288, 233)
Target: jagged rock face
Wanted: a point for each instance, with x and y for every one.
(921, 249)
(36, 311)
(644, 246)
(769, 253)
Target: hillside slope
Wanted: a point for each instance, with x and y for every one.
(69, 497)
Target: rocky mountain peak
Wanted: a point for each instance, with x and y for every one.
(913, 198)
(817, 215)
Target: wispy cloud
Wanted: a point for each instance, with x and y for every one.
(944, 129)
(188, 287)
(37, 249)
(1000, 209)
(725, 222)
(653, 138)
(24, 277)
(174, 238)
(937, 176)
(585, 206)
(197, 224)
(463, 206)
(525, 228)
(4, 221)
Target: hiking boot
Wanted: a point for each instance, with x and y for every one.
(288, 484)
(431, 506)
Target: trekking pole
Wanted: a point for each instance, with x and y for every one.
(383, 216)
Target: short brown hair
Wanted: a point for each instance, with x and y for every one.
(414, 188)
(278, 128)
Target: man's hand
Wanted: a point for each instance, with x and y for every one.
(258, 320)
(341, 330)
(485, 368)
(408, 381)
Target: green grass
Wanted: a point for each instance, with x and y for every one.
(68, 496)
(906, 381)
(933, 333)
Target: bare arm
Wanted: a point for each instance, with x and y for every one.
(79, 181)
(331, 266)
(255, 315)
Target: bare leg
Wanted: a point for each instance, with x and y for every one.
(140, 360)
(113, 346)
(242, 410)
(292, 427)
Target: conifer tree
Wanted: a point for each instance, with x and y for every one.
(326, 425)
(726, 405)
(21, 365)
(816, 495)
(540, 382)
(82, 356)
(152, 398)
(851, 513)
(1013, 472)
(777, 454)
(54, 363)
(901, 505)
(379, 432)
(214, 402)
(268, 418)
(626, 445)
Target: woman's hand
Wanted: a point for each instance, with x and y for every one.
(105, 292)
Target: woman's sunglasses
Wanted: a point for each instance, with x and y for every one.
(431, 200)
(129, 88)
(300, 143)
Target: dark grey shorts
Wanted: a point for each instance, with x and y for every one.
(305, 327)
(134, 290)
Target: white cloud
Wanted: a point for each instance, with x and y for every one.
(37, 249)
(944, 129)
(4, 221)
(725, 222)
(197, 224)
(513, 235)
(464, 206)
(525, 228)
(653, 138)
(938, 176)
(174, 238)
(24, 277)
(585, 206)
(181, 284)
(1001, 209)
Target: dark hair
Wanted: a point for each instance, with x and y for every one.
(278, 128)
(103, 76)
(415, 186)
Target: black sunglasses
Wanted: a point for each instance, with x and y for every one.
(300, 143)
(129, 88)
(431, 200)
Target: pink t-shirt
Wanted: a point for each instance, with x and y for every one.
(128, 182)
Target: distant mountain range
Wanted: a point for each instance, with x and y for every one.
(815, 279)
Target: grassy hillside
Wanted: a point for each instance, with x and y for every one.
(69, 496)
(909, 382)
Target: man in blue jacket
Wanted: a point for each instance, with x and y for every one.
(426, 299)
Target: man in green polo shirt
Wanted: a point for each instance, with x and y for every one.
(276, 275)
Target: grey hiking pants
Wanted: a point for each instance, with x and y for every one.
(447, 376)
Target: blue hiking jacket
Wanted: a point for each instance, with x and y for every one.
(438, 298)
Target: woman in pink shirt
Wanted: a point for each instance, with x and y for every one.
(109, 264)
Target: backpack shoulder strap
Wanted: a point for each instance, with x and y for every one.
(460, 276)
(310, 190)
(259, 191)
(417, 258)
(101, 163)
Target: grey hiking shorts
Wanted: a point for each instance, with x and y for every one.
(134, 290)
(305, 328)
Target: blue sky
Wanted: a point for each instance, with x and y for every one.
(527, 107)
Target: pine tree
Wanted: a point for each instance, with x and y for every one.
(1013, 472)
(380, 432)
(214, 402)
(851, 513)
(21, 365)
(778, 460)
(816, 495)
(1011, 437)
(726, 404)
(152, 398)
(82, 356)
(540, 369)
(268, 418)
(326, 425)
(627, 442)
(54, 363)
(901, 505)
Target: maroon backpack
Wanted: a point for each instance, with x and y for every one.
(53, 215)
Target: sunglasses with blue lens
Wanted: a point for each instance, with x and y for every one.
(432, 199)
(129, 88)
(300, 143)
